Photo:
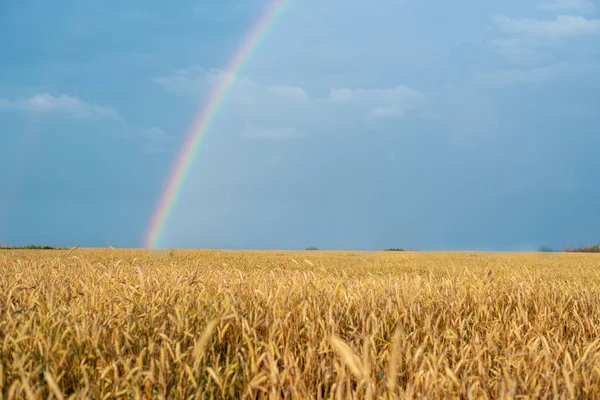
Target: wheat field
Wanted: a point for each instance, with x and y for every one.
(186, 324)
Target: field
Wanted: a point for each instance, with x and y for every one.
(108, 323)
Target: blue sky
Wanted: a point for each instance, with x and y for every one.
(356, 124)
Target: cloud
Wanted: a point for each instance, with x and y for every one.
(183, 81)
(72, 108)
(524, 50)
(387, 112)
(153, 140)
(564, 26)
(400, 93)
(261, 110)
(68, 106)
(254, 132)
(580, 6)
(196, 80)
(340, 95)
(520, 76)
(290, 92)
(156, 134)
(245, 92)
(530, 41)
(391, 102)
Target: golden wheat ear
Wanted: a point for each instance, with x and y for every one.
(73, 249)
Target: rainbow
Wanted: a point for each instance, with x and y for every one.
(203, 122)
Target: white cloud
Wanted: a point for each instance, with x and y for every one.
(520, 76)
(387, 112)
(564, 26)
(529, 41)
(153, 139)
(255, 132)
(156, 134)
(69, 106)
(340, 95)
(524, 50)
(260, 111)
(384, 103)
(580, 6)
(402, 94)
(184, 81)
(196, 80)
(290, 92)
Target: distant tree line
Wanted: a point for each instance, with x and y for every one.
(570, 249)
(590, 248)
(30, 247)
